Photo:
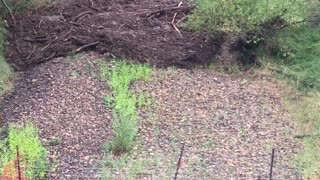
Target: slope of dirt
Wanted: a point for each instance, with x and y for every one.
(229, 125)
(141, 30)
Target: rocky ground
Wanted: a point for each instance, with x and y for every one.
(229, 124)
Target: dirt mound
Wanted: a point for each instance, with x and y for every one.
(141, 30)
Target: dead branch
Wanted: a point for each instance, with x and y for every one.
(50, 57)
(81, 15)
(34, 48)
(170, 9)
(182, 19)
(36, 39)
(9, 10)
(86, 46)
(48, 45)
(174, 18)
(174, 26)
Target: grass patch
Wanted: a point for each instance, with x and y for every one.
(124, 102)
(306, 110)
(295, 55)
(243, 15)
(6, 72)
(33, 154)
(22, 5)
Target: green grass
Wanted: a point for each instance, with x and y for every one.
(22, 5)
(243, 15)
(306, 110)
(124, 102)
(294, 53)
(33, 154)
(6, 72)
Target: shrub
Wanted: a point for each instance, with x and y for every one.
(124, 113)
(33, 154)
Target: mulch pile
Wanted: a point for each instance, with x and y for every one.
(140, 30)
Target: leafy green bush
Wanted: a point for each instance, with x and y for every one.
(243, 15)
(33, 154)
(125, 115)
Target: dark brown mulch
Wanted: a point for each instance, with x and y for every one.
(131, 29)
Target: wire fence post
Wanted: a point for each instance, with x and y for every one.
(179, 162)
(271, 164)
(18, 164)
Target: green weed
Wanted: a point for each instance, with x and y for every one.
(33, 154)
(90, 69)
(109, 101)
(71, 55)
(124, 110)
(105, 70)
(56, 141)
(75, 74)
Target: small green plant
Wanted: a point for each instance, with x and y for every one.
(56, 141)
(109, 101)
(71, 55)
(90, 69)
(33, 154)
(105, 70)
(124, 110)
(143, 100)
(75, 74)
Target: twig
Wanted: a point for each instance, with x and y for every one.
(166, 10)
(174, 26)
(121, 26)
(34, 48)
(81, 14)
(182, 19)
(36, 39)
(9, 10)
(42, 49)
(179, 162)
(50, 57)
(85, 46)
(174, 18)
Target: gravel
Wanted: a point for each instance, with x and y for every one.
(229, 124)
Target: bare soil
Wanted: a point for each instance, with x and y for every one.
(140, 30)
